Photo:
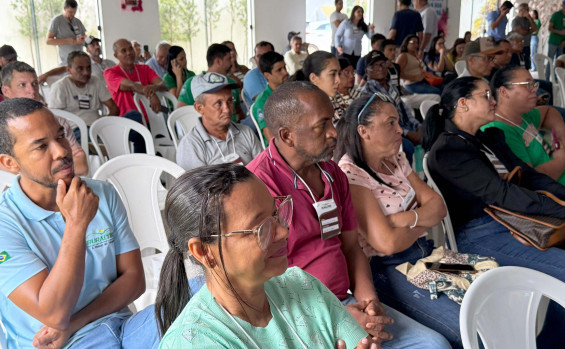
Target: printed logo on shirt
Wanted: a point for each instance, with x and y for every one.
(4, 256)
(99, 238)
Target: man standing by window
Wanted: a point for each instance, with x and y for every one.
(66, 32)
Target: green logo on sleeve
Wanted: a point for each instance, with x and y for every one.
(4, 256)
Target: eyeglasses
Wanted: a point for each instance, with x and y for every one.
(530, 85)
(487, 94)
(381, 65)
(347, 73)
(412, 42)
(381, 96)
(265, 230)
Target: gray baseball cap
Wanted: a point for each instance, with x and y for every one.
(209, 83)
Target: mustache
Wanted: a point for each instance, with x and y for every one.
(64, 163)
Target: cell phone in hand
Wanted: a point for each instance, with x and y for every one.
(556, 144)
(146, 48)
(451, 268)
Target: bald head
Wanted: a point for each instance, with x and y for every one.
(120, 42)
(123, 51)
(285, 107)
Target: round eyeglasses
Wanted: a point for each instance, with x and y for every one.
(265, 231)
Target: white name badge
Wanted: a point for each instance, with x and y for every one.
(233, 158)
(328, 217)
(409, 200)
(84, 102)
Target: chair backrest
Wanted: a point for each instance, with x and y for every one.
(182, 119)
(78, 122)
(539, 60)
(257, 127)
(460, 67)
(242, 97)
(114, 133)
(167, 99)
(560, 73)
(502, 304)
(425, 106)
(6, 179)
(137, 178)
(157, 123)
(446, 221)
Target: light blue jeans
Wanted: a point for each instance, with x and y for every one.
(407, 332)
(136, 331)
(533, 49)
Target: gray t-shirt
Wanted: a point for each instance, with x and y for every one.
(62, 28)
(198, 148)
(334, 17)
(525, 24)
(98, 68)
(83, 102)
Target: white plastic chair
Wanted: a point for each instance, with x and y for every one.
(460, 67)
(76, 121)
(502, 306)
(446, 221)
(541, 60)
(6, 179)
(137, 179)
(114, 133)
(158, 127)
(425, 106)
(167, 99)
(560, 72)
(257, 127)
(181, 121)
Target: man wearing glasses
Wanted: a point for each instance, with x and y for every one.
(479, 55)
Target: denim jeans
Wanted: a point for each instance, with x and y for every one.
(441, 314)
(136, 331)
(407, 333)
(136, 138)
(422, 87)
(533, 49)
(487, 237)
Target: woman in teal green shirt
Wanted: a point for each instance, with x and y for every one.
(227, 221)
(176, 73)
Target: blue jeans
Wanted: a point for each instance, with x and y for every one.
(136, 331)
(422, 87)
(407, 333)
(136, 138)
(533, 49)
(441, 315)
(487, 237)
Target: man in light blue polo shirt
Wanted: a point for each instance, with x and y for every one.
(69, 263)
(497, 21)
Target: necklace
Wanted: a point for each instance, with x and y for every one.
(535, 136)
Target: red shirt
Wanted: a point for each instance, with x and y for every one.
(323, 259)
(114, 76)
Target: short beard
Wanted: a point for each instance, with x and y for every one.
(325, 155)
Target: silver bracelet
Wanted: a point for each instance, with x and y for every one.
(416, 222)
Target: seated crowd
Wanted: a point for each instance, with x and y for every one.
(299, 237)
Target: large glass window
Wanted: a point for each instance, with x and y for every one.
(196, 24)
(25, 24)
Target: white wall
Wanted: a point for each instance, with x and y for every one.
(275, 18)
(141, 26)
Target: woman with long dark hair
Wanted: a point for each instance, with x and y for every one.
(436, 59)
(394, 208)
(456, 53)
(177, 73)
(226, 220)
(468, 166)
(412, 68)
(350, 33)
(322, 69)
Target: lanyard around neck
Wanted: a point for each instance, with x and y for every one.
(127, 76)
(307, 187)
(230, 135)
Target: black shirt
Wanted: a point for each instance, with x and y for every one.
(469, 182)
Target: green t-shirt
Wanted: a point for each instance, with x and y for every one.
(523, 144)
(172, 82)
(257, 111)
(311, 309)
(538, 24)
(558, 20)
(185, 95)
